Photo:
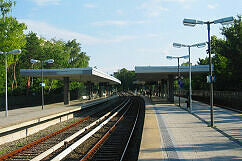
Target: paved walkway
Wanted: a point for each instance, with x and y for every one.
(186, 136)
(228, 122)
(22, 115)
(151, 141)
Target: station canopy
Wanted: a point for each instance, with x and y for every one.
(87, 74)
(157, 73)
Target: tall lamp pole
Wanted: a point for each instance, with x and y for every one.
(15, 52)
(192, 23)
(178, 70)
(199, 45)
(42, 76)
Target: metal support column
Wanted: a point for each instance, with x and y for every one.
(170, 89)
(66, 91)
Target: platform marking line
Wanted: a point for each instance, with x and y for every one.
(167, 138)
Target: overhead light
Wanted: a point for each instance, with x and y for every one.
(199, 45)
(169, 57)
(34, 61)
(191, 22)
(49, 61)
(186, 57)
(223, 21)
(177, 45)
(15, 52)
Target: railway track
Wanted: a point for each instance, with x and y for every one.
(77, 141)
(114, 144)
(59, 138)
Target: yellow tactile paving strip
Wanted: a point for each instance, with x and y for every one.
(150, 148)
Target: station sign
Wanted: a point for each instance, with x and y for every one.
(42, 84)
(211, 79)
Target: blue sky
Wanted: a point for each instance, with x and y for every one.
(126, 33)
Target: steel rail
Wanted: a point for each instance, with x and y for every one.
(84, 138)
(30, 145)
(98, 144)
(63, 142)
(126, 147)
(11, 154)
(60, 144)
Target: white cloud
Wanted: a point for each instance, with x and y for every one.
(48, 31)
(210, 6)
(153, 35)
(153, 8)
(90, 5)
(123, 38)
(117, 22)
(47, 2)
(120, 12)
(148, 50)
(179, 1)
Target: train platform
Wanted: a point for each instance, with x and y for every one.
(23, 118)
(173, 133)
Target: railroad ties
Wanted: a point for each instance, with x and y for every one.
(103, 135)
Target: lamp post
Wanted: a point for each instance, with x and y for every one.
(15, 52)
(178, 70)
(192, 23)
(199, 45)
(42, 84)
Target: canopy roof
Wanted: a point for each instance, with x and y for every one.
(75, 74)
(156, 73)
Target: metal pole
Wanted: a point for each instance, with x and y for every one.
(210, 76)
(179, 82)
(42, 89)
(6, 86)
(190, 79)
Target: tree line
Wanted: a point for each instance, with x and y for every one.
(12, 36)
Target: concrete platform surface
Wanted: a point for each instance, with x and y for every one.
(151, 141)
(226, 121)
(186, 136)
(29, 115)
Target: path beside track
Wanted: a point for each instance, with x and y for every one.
(185, 136)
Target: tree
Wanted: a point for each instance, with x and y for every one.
(127, 78)
(77, 58)
(228, 56)
(6, 6)
(227, 59)
(11, 37)
(32, 50)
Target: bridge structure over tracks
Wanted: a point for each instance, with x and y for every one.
(87, 75)
(163, 76)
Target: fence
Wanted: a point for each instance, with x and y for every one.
(227, 98)
(26, 101)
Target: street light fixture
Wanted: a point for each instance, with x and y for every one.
(192, 22)
(199, 45)
(178, 70)
(14, 52)
(42, 84)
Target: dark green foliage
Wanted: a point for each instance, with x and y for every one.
(227, 59)
(41, 49)
(77, 58)
(127, 78)
(65, 55)
(11, 37)
(5, 6)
